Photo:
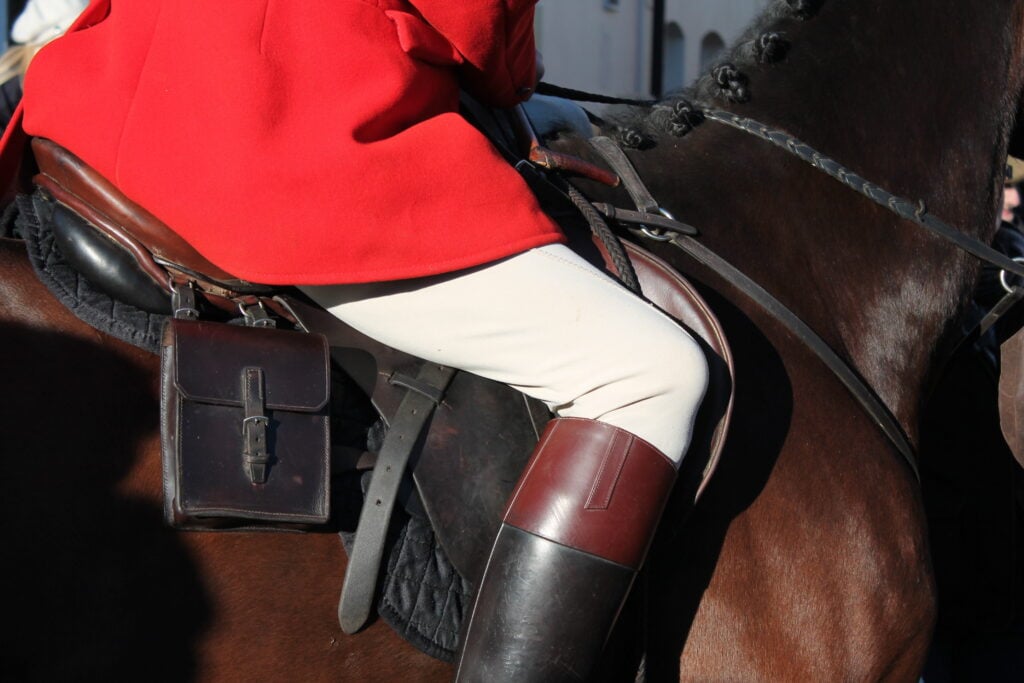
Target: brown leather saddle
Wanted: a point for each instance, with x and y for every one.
(127, 252)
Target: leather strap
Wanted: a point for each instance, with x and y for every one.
(1008, 301)
(254, 426)
(405, 429)
(643, 218)
(904, 208)
(611, 152)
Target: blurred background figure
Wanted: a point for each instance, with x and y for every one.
(1012, 209)
(974, 489)
(1009, 240)
(39, 22)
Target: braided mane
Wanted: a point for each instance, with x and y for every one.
(763, 43)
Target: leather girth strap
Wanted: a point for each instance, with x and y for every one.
(408, 425)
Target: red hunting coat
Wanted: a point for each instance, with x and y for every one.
(310, 142)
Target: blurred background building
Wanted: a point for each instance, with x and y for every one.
(9, 10)
(612, 46)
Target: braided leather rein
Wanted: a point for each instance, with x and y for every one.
(915, 212)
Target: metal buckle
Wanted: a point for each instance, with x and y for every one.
(183, 301)
(254, 425)
(256, 316)
(1002, 276)
(657, 234)
(254, 453)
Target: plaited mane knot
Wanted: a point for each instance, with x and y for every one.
(805, 9)
(770, 47)
(631, 138)
(684, 118)
(731, 82)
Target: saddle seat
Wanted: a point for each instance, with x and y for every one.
(122, 248)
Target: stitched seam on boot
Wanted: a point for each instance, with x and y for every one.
(608, 475)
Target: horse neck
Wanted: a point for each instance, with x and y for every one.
(914, 96)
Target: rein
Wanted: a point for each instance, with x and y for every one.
(681, 237)
(916, 212)
(654, 222)
(904, 208)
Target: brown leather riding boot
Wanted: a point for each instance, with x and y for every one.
(575, 532)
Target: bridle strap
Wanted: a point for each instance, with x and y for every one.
(680, 237)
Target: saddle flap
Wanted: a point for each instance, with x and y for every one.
(210, 356)
(674, 294)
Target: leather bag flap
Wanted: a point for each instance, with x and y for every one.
(211, 357)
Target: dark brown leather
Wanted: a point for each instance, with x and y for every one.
(595, 488)
(82, 189)
(674, 294)
(1011, 394)
(244, 425)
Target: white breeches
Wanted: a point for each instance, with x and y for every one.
(551, 325)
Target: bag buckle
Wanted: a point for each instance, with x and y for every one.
(255, 457)
(183, 301)
(256, 315)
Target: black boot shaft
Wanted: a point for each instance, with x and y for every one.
(550, 610)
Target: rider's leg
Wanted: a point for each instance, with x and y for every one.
(584, 511)
(551, 325)
(574, 535)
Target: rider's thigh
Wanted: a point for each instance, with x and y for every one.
(551, 325)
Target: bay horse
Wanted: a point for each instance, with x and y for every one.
(806, 559)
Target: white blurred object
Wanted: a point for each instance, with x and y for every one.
(45, 19)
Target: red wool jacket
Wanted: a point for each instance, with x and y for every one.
(309, 142)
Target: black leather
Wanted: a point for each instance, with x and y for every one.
(543, 614)
(105, 264)
(404, 433)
